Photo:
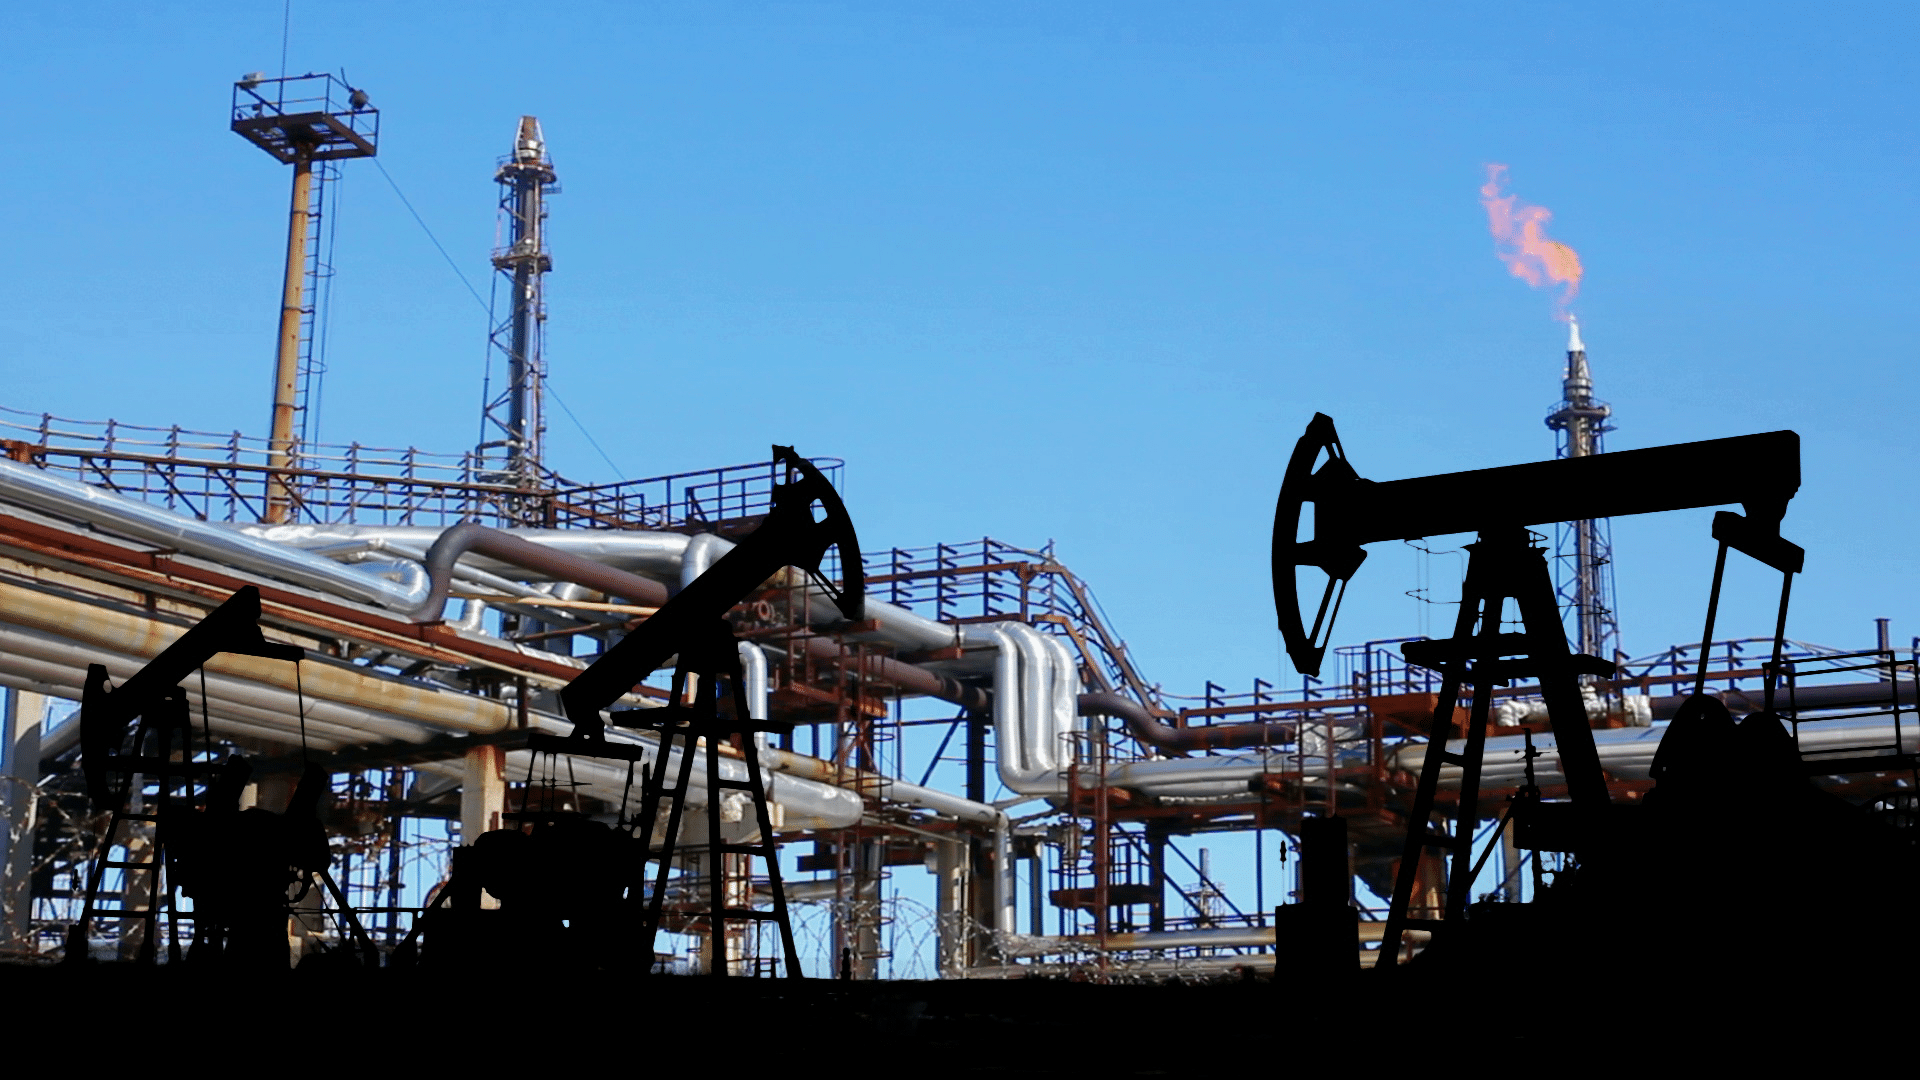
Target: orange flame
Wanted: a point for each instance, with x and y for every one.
(1520, 238)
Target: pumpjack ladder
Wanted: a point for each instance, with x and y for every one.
(169, 718)
(1503, 564)
(713, 658)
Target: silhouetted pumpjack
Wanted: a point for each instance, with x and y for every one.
(1762, 472)
(236, 865)
(692, 625)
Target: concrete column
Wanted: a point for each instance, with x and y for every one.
(25, 714)
(483, 798)
(953, 922)
(483, 793)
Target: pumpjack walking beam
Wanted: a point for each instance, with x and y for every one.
(1761, 472)
(153, 696)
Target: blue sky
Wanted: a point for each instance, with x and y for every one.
(1067, 271)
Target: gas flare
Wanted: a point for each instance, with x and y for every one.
(1521, 241)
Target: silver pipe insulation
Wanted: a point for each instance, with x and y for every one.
(1628, 752)
(1143, 725)
(368, 554)
(654, 554)
(1036, 686)
(125, 516)
(334, 695)
(280, 552)
(599, 568)
(1036, 728)
(403, 585)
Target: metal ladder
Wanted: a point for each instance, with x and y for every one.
(1503, 564)
(122, 832)
(713, 658)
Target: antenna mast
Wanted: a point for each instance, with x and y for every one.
(1584, 567)
(512, 422)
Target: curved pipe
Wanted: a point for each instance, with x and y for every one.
(278, 552)
(654, 554)
(1149, 729)
(661, 556)
(701, 552)
(506, 547)
(1039, 728)
(1029, 687)
(615, 557)
(753, 677)
(564, 566)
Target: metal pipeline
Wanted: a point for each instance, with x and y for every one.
(587, 563)
(46, 643)
(666, 557)
(114, 632)
(939, 802)
(1862, 695)
(1149, 729)
(1035, 682)
(506, 547)
(32, 488)
(654, 554)
(1627, 753)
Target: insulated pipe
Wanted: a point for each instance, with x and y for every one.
(35, 659)
(1803, 699)
(1627, 753)
(1063, 695)
(1010, 672)
(939, 802)
(753, 668)
(1036, 683)
(157, 525)
(60, 660)
(406, 573)
(568, 567)
(664, 556)
(1038, 723)
(1149, 729)
(111, 631)
(701, 552)
(807, 804)
(249, 711)
(272, 552)
(1196, 777)
(753, 677)
(460, 539)
(362, 552)
(654, 554)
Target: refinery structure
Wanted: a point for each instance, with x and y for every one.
(440, 635)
